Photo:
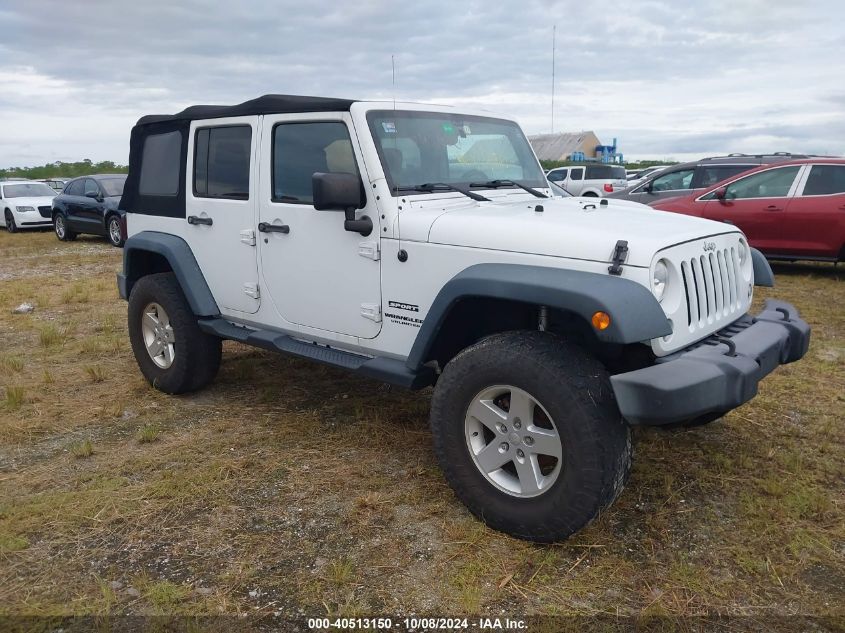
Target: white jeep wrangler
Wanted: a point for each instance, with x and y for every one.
(416, 245)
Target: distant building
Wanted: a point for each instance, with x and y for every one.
(575, 146)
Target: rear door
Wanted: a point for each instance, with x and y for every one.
(756, 204)
(813, 224)
(220, 202)
(575, 182)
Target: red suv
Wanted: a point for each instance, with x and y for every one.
(791, 210)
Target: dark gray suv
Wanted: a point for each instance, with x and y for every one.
(682, 179)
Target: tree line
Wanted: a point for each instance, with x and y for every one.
(61, 169)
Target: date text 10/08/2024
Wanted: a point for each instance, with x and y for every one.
(415, 624)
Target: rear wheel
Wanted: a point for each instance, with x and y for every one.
(114, 231)
(11, 227)
(590, 194)
(174, 355)
(529, 436)
(61, 228)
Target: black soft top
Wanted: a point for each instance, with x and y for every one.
(267, 104)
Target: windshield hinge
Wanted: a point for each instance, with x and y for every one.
(371, 311)
(251, 290)
(620, 254)
(370, 250)
(248, 237)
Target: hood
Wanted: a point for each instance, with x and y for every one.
(578, 228)
(37, 201)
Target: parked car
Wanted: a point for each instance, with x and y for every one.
(90, 205)
(57, 184)
(687, 177)
(418, 245)
(792, 210)
(23, 204)
(637, 177)
(589, 180)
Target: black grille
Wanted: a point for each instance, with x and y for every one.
(45, 212)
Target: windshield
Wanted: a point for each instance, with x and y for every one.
(28, 190)
(113, 186)
(418, 148)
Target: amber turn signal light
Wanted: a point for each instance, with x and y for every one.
(601, 320)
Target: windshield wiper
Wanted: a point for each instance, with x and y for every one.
(443, 186)
(495, 184)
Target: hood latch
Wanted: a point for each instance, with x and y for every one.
(620, 254)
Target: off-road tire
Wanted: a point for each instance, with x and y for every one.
(197, 354)
(11, 227)
(69, 235)
(575, 390)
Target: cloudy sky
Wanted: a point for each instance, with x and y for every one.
(669, 78)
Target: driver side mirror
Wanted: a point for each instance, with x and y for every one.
(648, 186)
(341, 192)
(94, 195)
(721, 194)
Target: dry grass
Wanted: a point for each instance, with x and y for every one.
(289, 485)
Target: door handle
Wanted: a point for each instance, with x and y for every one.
(195, 219)
(266, 227)
(842, 206)
(774, 207)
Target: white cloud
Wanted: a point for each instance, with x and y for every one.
(668, 79)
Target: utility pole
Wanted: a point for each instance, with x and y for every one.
(554, 33)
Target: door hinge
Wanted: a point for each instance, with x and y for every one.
(370, 250)
(251, 290)
(248, 237)
(371, 311)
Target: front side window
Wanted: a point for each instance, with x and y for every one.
(91, 188)
(28, 190)
(825, 180)
(221, 162)
(772, 183)
(559, 175)
(418, 148)
(302, 149)
(681, 179)
(74, 188)
(160, 164)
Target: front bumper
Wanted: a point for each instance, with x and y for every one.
(26, 219)
(718, 373)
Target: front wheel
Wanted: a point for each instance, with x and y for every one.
(528, 435)
(114, 231)
(174, 355)
(11, 227)
(60, 227)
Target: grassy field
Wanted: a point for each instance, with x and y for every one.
(289, 488)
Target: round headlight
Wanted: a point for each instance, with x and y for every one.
(659, 279)
(742, 251)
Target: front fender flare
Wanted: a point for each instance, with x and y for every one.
(763, 275)
(635, 314)
(181, 260)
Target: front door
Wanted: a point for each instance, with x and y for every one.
(220, 203)
(756, 204)
(317, 274)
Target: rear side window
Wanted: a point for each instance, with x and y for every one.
(221, 162)
(300, 150)
(577, 174)
(712, 174)
(160, 162)
(605, 172)
(825, 180)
